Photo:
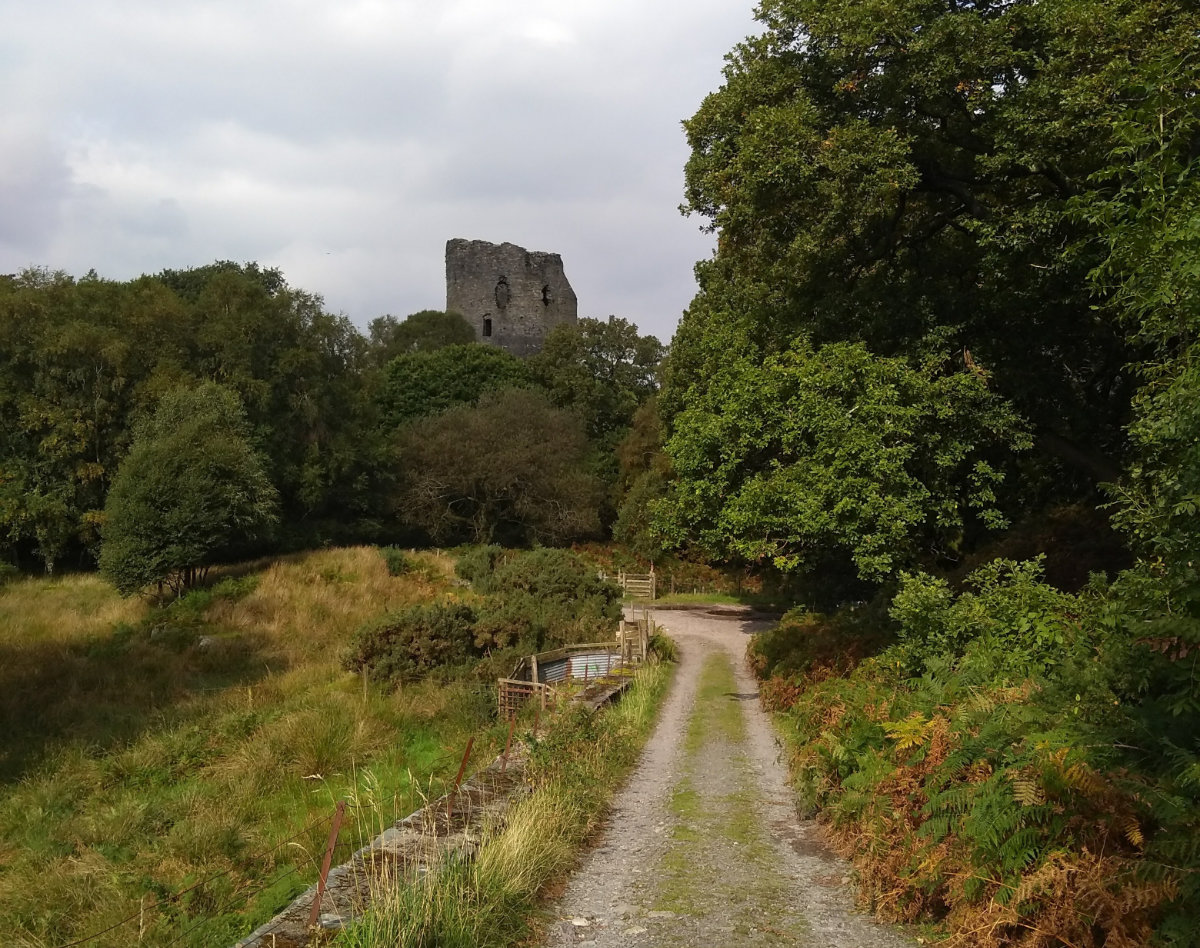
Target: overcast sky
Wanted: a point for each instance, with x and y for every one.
(345, 142)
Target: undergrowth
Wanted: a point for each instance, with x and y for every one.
(1000, 769)
(520, 603)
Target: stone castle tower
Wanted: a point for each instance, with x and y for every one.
(511, 296)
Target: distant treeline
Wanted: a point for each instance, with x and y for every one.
(225, 372)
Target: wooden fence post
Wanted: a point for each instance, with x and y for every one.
(512, 722)
(338, 813)
(458, 780)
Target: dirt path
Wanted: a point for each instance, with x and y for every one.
(704, 846)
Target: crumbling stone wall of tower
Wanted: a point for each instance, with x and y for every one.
(512, 296)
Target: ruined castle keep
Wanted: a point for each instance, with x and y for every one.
(512, 296)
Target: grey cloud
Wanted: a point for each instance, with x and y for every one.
(34, 182)
(346, 142)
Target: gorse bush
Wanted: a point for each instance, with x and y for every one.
(532, 601)
(413, 642)
(477, 564)
(546, 598)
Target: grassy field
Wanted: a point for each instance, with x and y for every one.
(146, 750)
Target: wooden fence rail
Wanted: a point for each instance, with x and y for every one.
(637, 585)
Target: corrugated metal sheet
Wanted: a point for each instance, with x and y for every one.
(584, 665)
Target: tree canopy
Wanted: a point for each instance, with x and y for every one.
(421, 383)
(192, 489)
(423, 331)
(509, 470)
(600, 369)
(905, 180)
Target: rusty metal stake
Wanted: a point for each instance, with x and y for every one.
(512, 722)
(458, 780)
(338, 813)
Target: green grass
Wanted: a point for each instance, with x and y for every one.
(491, 901)
(149, 749)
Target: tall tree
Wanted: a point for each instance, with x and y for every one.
(900, 174)
(600, 369)
(835, 458)
(899, 181)
(510, 470)
(418, 384)
(191, 490)
(424, 331)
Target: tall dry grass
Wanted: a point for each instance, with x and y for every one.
(146, 748)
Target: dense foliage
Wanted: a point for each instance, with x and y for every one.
(528, 602)
(929, 183)
(510, 469)
(191, 491)
(84, 362)
(545, 598)
(801, 456)
(81, 361)
(426, 331)
(411, 643)
(956, 288)
(1000, 766)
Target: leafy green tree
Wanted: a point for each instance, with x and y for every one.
(644, 471)
(901, 175)
(80, 360)
(75, 361)
(1149, 209)
(820, 453)
(190, 491)
(418, 384)
(509, 470)
(299, 371)
(425, 331)
(600, 369)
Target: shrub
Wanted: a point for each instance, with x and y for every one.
(1012, 621)
(477, 564)
(413, 642)
(8, 574)
(819, 645)
(544, 599)
(560, 576)
(396, 559)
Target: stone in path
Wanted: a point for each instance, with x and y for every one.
(704, 846)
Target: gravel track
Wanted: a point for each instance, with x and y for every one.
(704, 845)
